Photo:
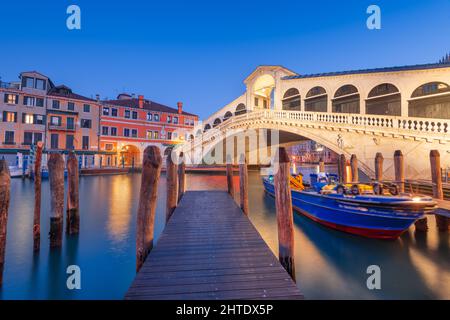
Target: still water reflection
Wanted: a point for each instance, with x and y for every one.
(329, 264)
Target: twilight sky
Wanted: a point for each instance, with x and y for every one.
(199, 52)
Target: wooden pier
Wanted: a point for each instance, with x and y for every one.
(210, 250)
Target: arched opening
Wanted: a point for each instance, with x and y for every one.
(207, 127)
(262, 91)
(129, 155)
(191, 137)
(217, 121)
(384, 99)
(240, 109)
(431, 100)
(198, 133)
(316, 100)
(346, 100)
(227, 116)
(291, 100)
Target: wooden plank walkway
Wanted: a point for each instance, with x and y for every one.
(210, 250)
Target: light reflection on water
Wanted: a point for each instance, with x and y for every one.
(329, 264)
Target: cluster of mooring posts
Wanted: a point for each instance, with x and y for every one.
(209, 248)
(56, 179)
(348, 173)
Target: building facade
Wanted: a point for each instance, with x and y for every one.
(311, 152)
(23, 114)
(129, 125)
(72, 124)
(101, 133)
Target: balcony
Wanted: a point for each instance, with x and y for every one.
(61, 127)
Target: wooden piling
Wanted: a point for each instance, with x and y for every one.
(321, 165)
(172, 185)
(379, 166)
(151, 170)
(342, 169)
(442, 222)
(230, 184)
(5, 192)
(399, 168)
(283, 203)
(243, 184)
(354, 167)
(339, 168)
(56, 177)
(37, 196)
(436, 176)
(181, 177)
(73, 211)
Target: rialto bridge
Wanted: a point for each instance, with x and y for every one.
(356, 112)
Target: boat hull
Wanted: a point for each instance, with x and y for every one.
(362, 220)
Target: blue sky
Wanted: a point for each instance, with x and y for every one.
(199, 52)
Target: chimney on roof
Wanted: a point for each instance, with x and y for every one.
(180, 107)
(141, 102)
(97, 97)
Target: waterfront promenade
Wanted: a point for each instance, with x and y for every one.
(210, 250)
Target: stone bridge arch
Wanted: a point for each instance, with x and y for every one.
(363, 136)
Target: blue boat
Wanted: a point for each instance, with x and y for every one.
(373, 216)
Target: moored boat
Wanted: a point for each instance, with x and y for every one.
(373, 216)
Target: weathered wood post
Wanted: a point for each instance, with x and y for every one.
(37, 197)
(151, 170)
(230, 184)
(436, 177)
(181, 176)
(399, 168)
(73, 211)
(379, 166)
(172, 185)
(283, 203)
(438, 192)
(343, 169)
(243, 183)
(321, 165)
(339, 168)
(354, 166)
(5, 192)
(56, 177)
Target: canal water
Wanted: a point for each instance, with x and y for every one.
(329, 264)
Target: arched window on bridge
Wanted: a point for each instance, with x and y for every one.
(291, 100)
(240, 109)
(316, 100)
(431, 100)
(216, 122)
(227, 116)
(199, 133)
(207, 127)
(346, 100)
(384, 99)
